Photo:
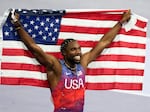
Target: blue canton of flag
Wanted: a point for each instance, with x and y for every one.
(42, 25)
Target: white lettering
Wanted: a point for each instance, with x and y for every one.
(67, 86)
(81, 84)
(74, 83)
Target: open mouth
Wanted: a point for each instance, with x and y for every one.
(77, 58)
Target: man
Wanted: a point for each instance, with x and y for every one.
(67, 77)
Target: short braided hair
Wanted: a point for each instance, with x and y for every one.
(65, 43)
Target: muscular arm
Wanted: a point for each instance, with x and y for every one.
(53, 67)
(49, 61)
(42, 57)
(104, 41)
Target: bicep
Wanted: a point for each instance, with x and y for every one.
(86, 59)
(96, 51)
(91, 55)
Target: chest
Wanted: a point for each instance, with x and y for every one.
(73, 79)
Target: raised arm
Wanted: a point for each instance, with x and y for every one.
(104, 41)
(40, 55)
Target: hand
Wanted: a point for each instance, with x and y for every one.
(126, 16)
(14, 16)
(15, 19)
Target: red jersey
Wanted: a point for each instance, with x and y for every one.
(68, 95)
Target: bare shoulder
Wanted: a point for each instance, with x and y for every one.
(54, 64)
(53, 60)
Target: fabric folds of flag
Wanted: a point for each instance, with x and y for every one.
(120, 66)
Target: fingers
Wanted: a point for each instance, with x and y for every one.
(129, 11)
(14, 16)
(127, 15)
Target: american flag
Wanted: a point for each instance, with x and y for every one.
(119, 66)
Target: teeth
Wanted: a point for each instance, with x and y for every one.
(77, 57)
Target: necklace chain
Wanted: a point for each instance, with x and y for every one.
(72, 69)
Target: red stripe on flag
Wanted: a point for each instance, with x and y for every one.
(94, 16)
(125, 58)
(141, 24)
(16, 52)
(22, 66)
(22, 52)
(24, 81)
(87, 30)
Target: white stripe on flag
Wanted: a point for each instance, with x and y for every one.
(117, 78)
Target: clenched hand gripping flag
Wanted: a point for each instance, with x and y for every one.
(120, 66)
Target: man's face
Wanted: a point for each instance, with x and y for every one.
(73, 52)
